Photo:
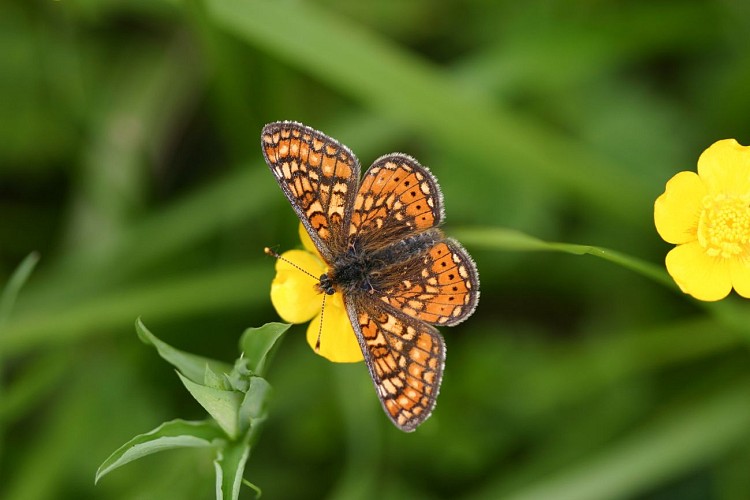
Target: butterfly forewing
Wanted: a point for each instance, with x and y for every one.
(397, 197)
(318, 175)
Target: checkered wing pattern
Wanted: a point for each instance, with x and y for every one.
(405, 358)
(397, 197)
(318, 175)
(440, 286)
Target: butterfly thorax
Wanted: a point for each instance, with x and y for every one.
(364, 270)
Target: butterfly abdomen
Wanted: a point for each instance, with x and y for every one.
(408, 248)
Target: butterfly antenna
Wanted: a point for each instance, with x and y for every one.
(272, 253)
(320, 327)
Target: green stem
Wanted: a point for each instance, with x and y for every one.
(493, 238)
(730, 312)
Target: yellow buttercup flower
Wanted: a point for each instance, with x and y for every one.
(296, 300)
(708, 216)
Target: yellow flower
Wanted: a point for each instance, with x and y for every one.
(708, 216)
(296, 300)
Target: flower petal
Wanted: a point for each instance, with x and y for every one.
(741, 277)
(703, 277)
(725, 167)
(307, 242)
(677, 210)
(338, 343)
(293, 292)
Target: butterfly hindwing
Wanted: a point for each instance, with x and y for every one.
(439, 286)
(405, 358)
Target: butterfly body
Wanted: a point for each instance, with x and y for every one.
(398, 274)
(373, 271)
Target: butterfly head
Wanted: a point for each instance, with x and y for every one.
(325, 285)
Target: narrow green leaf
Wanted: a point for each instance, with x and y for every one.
(230, 465)
(169, 435)
(253, 407)
(253, 487)
(7, 300)
(257, 345)
(190, 365)
(494, 238)
(222, 405)
(731, 312)
(14, 285)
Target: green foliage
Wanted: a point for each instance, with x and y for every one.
(130, 164)
(168, 436)
(234, 398)
(15, 283)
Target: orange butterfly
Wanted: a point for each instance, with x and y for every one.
(397, 272)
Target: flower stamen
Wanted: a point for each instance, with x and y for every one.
(724, 226)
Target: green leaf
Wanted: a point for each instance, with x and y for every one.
(253, 407)
(239, 378)
(731, 312)
(257, 344)
(213, 379)
(190, 365)
(169, 435)
(494, 238)
(253, 487)
(229, 465)
(222, 405)
(14, 285)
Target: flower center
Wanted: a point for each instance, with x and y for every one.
(724, 226)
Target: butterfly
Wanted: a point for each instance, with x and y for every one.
(398, 273)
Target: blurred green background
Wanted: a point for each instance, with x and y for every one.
(130, 160)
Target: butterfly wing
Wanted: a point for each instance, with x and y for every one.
(397, 197)
(405, 358)
(439, 286)
(318, 175)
